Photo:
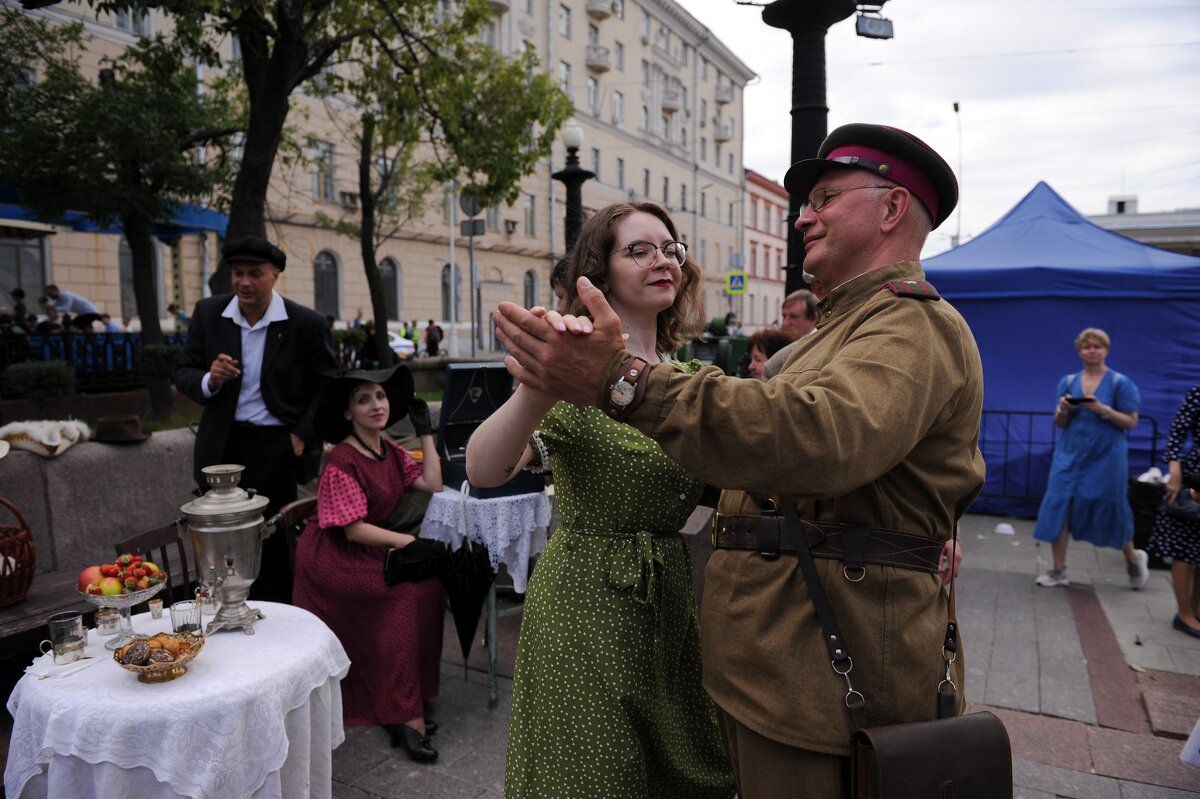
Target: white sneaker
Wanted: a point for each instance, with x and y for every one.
(1138, 569)
(1053, 578)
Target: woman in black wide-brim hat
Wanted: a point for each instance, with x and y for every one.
(393, 634)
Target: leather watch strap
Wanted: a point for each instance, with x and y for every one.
(631, 373)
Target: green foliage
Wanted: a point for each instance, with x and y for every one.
(44, 382)
(118, 149)
(159, 360)
(349, 338)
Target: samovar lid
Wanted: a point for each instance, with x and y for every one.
(224, 498)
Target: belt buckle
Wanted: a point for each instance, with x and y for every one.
(712, 530)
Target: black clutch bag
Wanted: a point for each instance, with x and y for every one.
(420, 560)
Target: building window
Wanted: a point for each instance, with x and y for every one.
(754, 212)
(683, 197)
(564, 21)
(530, 215)
(645, 182)
(703, 111)
(593, 34)
(618, 106)
(731, 163)
(645, 121)
(703, 203)
(446, 293)
(703, 68)
(731, 214)
(619, 5)
(593, 94)
(137, 24)
(321, 155)
(564, 77)
(619, 55)
(235, 48)
(666, 190)
(664, 126)
(530, 289)
(645, 72)
(325, 285)
(683, 137)
(487, 34)
(621, 173)
(753, 260)
(124, 274)
(389, 275)
(717, 154)
(703, 148)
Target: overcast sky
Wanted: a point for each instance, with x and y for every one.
(1095, 98)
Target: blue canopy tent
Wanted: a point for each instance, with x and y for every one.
(1027, 286)
(187, 220)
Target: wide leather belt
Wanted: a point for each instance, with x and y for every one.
(853, 544)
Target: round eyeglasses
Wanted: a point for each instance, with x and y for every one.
(826, 195)
(645, 254)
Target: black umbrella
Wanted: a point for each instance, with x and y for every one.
(467, 576)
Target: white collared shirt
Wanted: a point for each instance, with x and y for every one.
(250, 405)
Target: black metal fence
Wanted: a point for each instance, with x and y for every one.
(1018, 446)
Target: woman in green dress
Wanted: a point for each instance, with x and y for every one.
(607, 699)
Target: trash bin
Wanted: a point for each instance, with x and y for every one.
(1145, 500)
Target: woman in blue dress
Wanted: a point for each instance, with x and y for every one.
(1087, 493)
(607, 696)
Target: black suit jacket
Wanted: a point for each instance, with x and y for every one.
(297, 359)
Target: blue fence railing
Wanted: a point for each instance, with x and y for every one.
(102, 361)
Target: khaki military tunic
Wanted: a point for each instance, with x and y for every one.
(874, 419)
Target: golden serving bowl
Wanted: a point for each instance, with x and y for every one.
(186, 646)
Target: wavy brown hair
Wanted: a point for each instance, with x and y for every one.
(589, 258)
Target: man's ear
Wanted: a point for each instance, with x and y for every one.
(895, 207)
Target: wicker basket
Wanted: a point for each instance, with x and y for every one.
(16, 558)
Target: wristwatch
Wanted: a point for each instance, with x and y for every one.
(621, 393)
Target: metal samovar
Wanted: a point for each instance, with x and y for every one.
(227, 530)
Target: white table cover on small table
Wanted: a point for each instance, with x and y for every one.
(255, 716)
(512, 528)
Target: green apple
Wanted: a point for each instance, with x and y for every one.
(111, 586)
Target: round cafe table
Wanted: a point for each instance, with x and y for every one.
(254, 716)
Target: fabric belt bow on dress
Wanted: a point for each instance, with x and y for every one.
(636, 567)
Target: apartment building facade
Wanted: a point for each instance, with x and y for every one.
(660, 102)
(766, 251)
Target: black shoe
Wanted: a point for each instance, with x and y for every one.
(1184, 627)
(418, 747)
(431, 726)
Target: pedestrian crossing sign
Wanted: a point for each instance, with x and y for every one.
(735, 283)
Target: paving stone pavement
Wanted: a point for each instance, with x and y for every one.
(1097, 691)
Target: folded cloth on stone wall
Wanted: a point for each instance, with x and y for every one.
(46, 438)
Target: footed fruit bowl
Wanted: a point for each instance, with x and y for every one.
(159, 658)
(123, 602)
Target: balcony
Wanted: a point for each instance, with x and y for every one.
(598, 59)
(500, 6)
(600, 9)
(722, 131)
(672, 101)
(724, 93)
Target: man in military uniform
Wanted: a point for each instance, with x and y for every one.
(873, 421)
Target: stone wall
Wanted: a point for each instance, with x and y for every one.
(81, 502)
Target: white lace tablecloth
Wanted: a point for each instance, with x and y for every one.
(255, 716)
(512, 528)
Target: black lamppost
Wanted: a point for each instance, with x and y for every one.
(807, 21)
(573, 177)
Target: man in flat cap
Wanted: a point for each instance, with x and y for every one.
(255, 361)
(871, 425)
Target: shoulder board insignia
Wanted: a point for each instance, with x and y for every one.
(916, 289)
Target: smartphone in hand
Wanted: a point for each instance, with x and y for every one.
(1080, 400)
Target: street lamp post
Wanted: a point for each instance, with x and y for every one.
(573, 177)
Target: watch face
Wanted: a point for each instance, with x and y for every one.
(621, 394)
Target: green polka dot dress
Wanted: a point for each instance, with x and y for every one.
(607, 700)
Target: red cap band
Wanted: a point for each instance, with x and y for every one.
(897, 170)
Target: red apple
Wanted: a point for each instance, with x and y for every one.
(88, 576)
(110, 586)
(143, 583)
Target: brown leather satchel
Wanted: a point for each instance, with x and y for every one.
(953, 757)
(959, 757)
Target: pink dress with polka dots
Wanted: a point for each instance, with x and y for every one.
(393, 634)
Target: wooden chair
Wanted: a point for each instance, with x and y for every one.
(293, 518)
(164, 546)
